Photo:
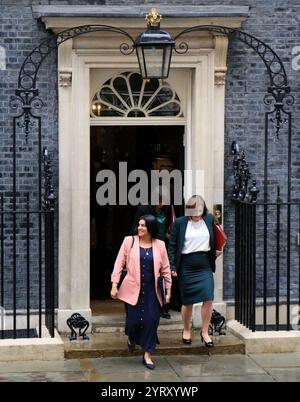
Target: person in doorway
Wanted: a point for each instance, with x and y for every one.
(165, 217)
(146, 259)
(192, 257)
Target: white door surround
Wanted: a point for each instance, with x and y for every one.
(204, 65)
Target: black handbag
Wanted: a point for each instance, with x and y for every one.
(124, 270)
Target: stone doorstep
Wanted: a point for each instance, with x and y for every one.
(114, 345)
(45, 348)
(120, 319)
(265, 342)
(120, 328)
(116, 323)
(168, 325)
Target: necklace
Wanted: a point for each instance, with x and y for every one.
(147, 249)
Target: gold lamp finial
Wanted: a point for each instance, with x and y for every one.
(153, 18)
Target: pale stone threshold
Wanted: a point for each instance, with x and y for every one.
(24, 349)
(265, 341)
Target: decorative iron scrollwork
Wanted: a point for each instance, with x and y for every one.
(279, 98)
(29, 101)
(126, 49)
(278, 88)
(30, 67)
(278, 91)
(181, 48)
(217, 323)
(241, 172)
(76, 321)
(26, 95)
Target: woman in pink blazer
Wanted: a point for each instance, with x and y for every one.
(146, 259)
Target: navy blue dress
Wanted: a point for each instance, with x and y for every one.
(142, 320)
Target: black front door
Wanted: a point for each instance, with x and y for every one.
(142, 147)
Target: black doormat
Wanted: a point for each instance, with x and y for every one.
(20, 333)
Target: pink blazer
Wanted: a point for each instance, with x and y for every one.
(130, 289)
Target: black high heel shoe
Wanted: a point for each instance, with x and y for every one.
(186, 341)
(131, 346)
(208, 344)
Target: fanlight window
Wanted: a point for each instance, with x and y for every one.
(128, 95)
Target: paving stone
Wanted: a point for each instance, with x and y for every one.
(44, 377)
(277, 360)
(191, 368)
(285, 374)
(144, 375)
(215, 366)
(246, 378)
(128, 364)
(41, 366)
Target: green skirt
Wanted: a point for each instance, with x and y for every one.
(196, 280)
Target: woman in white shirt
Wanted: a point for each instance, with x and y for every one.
(192, 257)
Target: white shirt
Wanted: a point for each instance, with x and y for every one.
(196, 237)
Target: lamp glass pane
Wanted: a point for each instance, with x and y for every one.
(166, 65)
(153, 59)
(140, 55)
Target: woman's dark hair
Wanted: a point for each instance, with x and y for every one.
(151, 225)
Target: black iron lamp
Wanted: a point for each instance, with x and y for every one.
(154, 49)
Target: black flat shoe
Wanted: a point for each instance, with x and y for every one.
(150, 366)
(186, 341)
(208, 344)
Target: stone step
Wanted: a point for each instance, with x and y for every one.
(119, 328)
(116, 323)
(114, 345)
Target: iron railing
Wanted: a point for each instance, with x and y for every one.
(26, 272)
(267, 264)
